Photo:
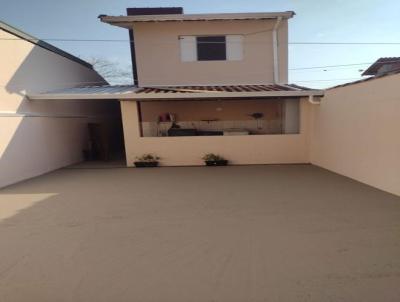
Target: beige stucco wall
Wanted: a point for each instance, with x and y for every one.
(159, 61)
(40, 136)
(356, 132)
(182, 151)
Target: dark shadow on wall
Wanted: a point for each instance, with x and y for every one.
(36, 145)
(45, 135)
(42, 71)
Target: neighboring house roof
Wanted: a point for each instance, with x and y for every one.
(374, 68)
(128, 92)
(20, 34)
(125, 21)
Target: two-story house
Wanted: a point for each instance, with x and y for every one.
(211, 83)
(219, 83)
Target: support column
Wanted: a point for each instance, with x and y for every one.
(131, 126)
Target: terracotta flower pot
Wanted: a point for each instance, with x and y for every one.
(146, 164)
(221, 162)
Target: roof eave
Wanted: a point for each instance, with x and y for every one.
(127, 21)
(221, 95)
(174, 96)
(371, 70)
(368, 73)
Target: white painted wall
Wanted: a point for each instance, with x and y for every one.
(356, 132)
(39, 136)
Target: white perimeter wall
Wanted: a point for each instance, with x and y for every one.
(356, 132)
(38, 136)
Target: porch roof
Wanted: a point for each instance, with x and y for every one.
(130, 92)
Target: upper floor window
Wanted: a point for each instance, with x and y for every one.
(211, 48)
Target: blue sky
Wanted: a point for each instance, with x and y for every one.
(315, 21)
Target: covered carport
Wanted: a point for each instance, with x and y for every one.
(106, 142)
(285, 147)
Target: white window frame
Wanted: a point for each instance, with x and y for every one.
(188, 48)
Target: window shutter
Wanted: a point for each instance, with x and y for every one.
(188, 48)
(234, 47)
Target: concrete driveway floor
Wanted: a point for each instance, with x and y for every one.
(244, 233)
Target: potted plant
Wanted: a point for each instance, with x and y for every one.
(212, 159)
(146, 161)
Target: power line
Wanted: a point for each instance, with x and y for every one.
(291, 69)
(297, 68)
(99, 84)
(344, 43)
(329, 80)
(214, 42)
(67, 40)
(340, 65)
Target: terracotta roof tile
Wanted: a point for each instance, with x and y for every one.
(222, 88)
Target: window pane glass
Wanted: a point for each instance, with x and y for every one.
(211, 48)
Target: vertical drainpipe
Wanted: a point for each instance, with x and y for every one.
(133, 57)
(275, 49)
